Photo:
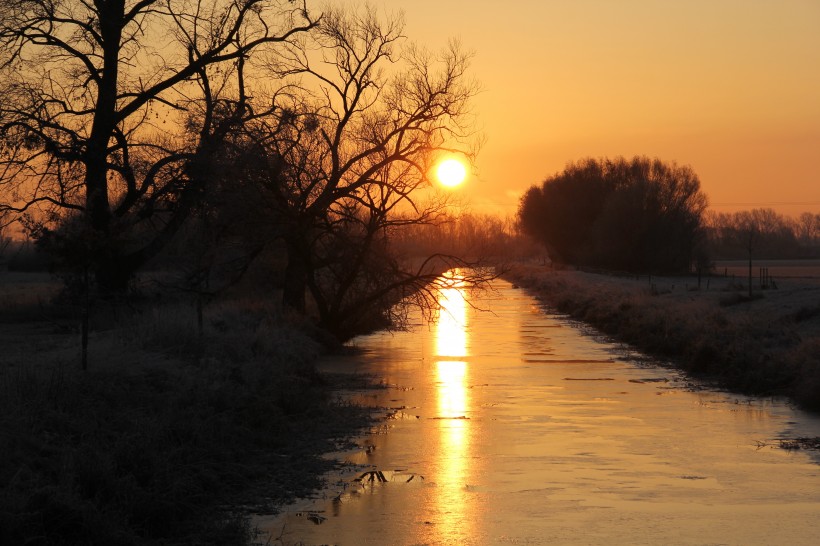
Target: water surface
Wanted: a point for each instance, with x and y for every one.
(511, 425)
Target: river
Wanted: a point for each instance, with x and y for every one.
(509, 424)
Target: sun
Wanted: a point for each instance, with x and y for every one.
(451, 172)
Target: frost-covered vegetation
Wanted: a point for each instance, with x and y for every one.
(172, 436)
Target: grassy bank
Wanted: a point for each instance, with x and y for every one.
(172, 436)
(767, 345)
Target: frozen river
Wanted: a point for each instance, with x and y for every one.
(511, 425)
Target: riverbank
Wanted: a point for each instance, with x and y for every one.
(767, 345)
(172, 436)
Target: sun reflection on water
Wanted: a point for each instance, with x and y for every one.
(451, 325)
(451, 339)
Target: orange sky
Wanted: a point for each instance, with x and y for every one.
(729, 87)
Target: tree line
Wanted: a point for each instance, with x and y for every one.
(763, 233)
(478, 237)
(234, 129)
(648, 216)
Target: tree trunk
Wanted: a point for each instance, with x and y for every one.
(109, 273)
(112, 275)
(295, 283)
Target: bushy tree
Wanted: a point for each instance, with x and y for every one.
(562, 211)
(640, 215)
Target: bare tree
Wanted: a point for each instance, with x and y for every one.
(112, 109)
(749, 227)
(350, 155)
(771, 235)
(5, 240)
(807, 228)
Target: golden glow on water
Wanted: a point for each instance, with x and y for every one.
(451, 340)
(452, 388)
(451, 326)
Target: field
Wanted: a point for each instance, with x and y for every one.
(807, 271)
(766, 344)
(173, 435)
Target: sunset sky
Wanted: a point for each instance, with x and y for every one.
(729, 87)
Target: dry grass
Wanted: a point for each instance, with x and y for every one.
(24, 295)
(766, 345)
(168, 432)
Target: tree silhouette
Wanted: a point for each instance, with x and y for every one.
(640, 215)
(341, 164)
(762, 232)
(113, 108)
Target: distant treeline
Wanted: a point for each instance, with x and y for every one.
(474, 236)
(647, 216)
(764, 233)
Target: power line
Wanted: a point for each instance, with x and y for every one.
(767, 204)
